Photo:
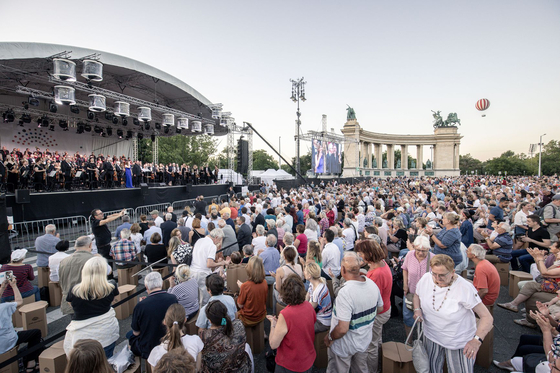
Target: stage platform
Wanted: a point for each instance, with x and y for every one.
(80, 203)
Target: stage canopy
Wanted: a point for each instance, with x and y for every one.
(92, 93)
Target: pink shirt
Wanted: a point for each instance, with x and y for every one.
(415, 269)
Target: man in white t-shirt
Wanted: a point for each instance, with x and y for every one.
(352, 319)
(330, 255)
(204, 260)
(157, 219)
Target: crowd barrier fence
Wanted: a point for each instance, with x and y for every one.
(23, 234)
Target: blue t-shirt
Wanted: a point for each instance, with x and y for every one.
(467, 233)
(8, 336)
(498, 215)
(451, 239)
(203, 322)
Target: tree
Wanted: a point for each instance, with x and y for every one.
(508, 162)
(467, 164)
(192, 150)
(263, 161)
(549, 158)
(304, 164)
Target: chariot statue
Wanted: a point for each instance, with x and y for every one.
(452, 120)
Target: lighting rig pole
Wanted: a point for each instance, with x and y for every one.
(298, 93)
(540, 152)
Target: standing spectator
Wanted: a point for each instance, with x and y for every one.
(204, 260)
(331, 255)
(352, 319)
(301, 240)
(486, 277)
(551, 215)
(157, 219)
(448, 240)
(271, 259)
(292, 333)
(467, 231)
(319, 297)
(185, 288)
(23, 274)
(147, 317)
(244, 232)
(230, 240)
(101, 232)
(380, 273)
(397, 237)
(215, 287)
(47, 244)
(259, 242)
(167, 227)
(252, 294)
(125, 225)
(200, 206)
(224, 342)
(136, 237)
(197, 232)
(289, 254)
(324, 222)
(349, 233)
(183, 229)
(143, 223)
(55, 259)
(151, 230)
(173, 215)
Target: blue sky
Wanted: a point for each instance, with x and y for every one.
(392, 61)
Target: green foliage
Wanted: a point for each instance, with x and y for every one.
(550, 164)
(467, 164)
(263, 161)
(180, 149)
(513, 164)
(304, 164)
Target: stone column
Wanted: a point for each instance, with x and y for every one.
(404, 157)
(377, 148)
(456, 165)
(390, 156)
(419, 156)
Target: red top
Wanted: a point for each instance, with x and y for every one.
(302, 248)
(296, 351)
(486, 276)
(24, 274)
(383, 278)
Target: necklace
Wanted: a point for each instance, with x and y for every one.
(444, 298)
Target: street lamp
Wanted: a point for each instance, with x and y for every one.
(298, 93)
(540, 152)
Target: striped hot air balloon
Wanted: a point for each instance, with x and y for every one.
(482, 105)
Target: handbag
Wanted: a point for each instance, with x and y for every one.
(408, 301)
(419, 355)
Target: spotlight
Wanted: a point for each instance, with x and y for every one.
(52, 107)
(158, 126)
(63, 124)
(44, 122)
(97, 129)
(178, 130)
(136, 122)
(9, 116)
(153, 137)
(102, 134)
(120, 134)
(25, 105)
(124, 122)
(74, 109)
(140, 136)
(147, 126)
(108, 116)
(39, 122)
(87, 127)
(128, 134)
(90, 115)
(51, 127)
(109, 131)
(115, 119)
(33, 101)
(81, 126)
(25, 118)
(166, 129)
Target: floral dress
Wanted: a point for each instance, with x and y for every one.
(225, 354)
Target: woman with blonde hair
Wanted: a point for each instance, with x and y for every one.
(291, 266)
(136, 236)
(252, 294)
(314, 254)
(87, 356)
(91, 301)
(319, 297)
(175, 337)
(185, 288)
(177, 251)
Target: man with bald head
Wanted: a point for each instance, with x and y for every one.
(352, 319)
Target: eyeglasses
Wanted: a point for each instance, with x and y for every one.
(421, 251)
(439, 276)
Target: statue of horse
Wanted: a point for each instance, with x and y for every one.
(452, 120)
(438, 121)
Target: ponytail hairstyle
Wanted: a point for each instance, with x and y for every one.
(216, 312)
(174, 321)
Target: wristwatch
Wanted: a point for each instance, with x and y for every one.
(329, 336)
(478, 338)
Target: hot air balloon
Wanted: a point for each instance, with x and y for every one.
(482, 105)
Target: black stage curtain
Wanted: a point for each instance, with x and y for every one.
(5, 249)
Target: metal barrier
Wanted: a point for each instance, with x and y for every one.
(160, 207)
(180, 205)
(24, 234)
(113, 225)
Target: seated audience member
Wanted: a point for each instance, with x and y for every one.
(252, 294)
(314, 253)
(224, 342)
(247, 253)
(136, 236)
(55, 259)
(501, 245)
(215, 287)
(176, 361)
(87, 356)
(292, 333)
(23, 274)
(300, 242)
(259, 242)
(271, 259)
(91, 301)
(124, 250)
(9, 338)
(155, 250)
(290, 256)
(185, 288)
(125, 225)
(177, 251)
(147, 318)
(486, 277)
(46, 244)
(330, 255)
(175, 337)
(319, 297)
(236, 257)
(197, 232)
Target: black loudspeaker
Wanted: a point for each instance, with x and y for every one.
(22, 196)
(144, 188)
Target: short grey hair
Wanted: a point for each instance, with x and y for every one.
(311, 224)
(280, 223)
(248, 249)
(50, 228)
(259, 230)
(288, 238)
(126, 218)
(226, 215)
(82, 242)
(271, 240)
(125, 233)
(181, 222)
(168, 216)
(347, 222)
(217, 233)
(221, 223)
(505, 226)
(153, 281)
(478, 251)
(423, 242)
(270, 223)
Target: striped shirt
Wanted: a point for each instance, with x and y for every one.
(187, 295)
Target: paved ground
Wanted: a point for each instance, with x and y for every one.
(506, 334)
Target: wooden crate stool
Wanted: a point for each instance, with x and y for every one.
(503, 271)
(486, 350)
(396, 358)
(13, 367)
(34, 316)
(43, 274)
(55, 294)
(191, 327)
(255, 337)
(16, 316)
(125, 275)
(514, 278)
(321, 350)
(163, 271)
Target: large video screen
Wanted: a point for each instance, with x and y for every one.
(326, 157)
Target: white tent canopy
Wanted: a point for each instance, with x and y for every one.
(227, 175)
(270, 175)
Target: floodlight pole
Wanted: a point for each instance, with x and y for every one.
(298, 92)
(540, 152)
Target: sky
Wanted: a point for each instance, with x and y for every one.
(392, 61)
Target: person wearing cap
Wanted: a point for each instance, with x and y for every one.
(157, 219)
(551, 215)
(23, 274)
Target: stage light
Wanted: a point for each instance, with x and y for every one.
(33, 101)
(87, 127)
(109, 131)
(9, 116)
(97, 129)
(25, 105)
(153, 137)
(108, 116)
(120, 134)
(166, 130)
(44, 122)
(90, 115)
(128, 134)
(64, 69)
(115, 119)
(81, 126)
(146, 126)
(63, 124)
(25, 118)
(158, 126)
(124, 122)
(52, 107)
(178, 130)
(74, 109)
(92, 70)
(135, 121)
(51, 127)
(140, 136)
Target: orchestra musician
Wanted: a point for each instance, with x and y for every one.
(12, 170)
(92, 173)
(66, 169)
(118, 173)
(39, 175)
(170, 174)
(136, 173)
(215, 175)
(24, 172)
(196, 175)
(109, 171)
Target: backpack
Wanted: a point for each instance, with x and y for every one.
(540, 212)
